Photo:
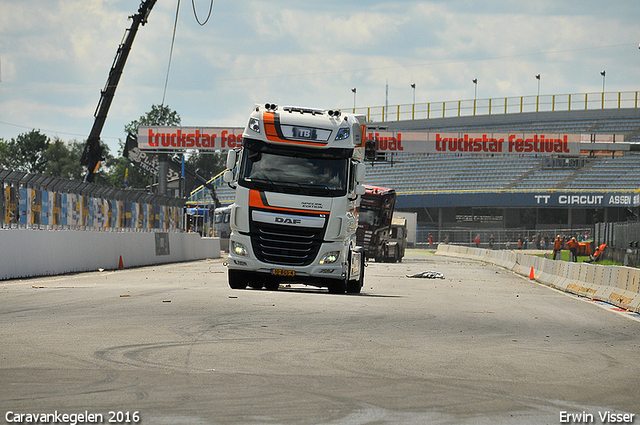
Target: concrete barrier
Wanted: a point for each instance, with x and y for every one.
(616, 285)
(27, 253)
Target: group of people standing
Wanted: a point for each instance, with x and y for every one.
(570, 243)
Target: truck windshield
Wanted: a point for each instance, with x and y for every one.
(305, 175)
(368, 217)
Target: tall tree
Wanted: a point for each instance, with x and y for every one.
(158, 115)
(26, 152)
(4, 154)
(64, 161)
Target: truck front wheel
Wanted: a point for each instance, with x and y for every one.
(354, 286)
(337, 286)
(238, 279)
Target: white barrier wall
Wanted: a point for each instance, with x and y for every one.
(617, 285)
(26, 252)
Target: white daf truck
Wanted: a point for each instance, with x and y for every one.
(297, 179)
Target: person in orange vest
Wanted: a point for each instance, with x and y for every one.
(477, 241)
(557, 246)
(572, 245)
(598, 254)
(430, 239)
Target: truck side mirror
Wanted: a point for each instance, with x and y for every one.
(227, 177)
(232, 157)
(360, 172)
(360, 189)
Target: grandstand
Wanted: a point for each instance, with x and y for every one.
(440, 188)
(608, 170)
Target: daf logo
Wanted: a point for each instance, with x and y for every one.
(286, 220)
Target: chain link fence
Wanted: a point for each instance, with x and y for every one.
(619, 235)
(495, 238)
(38, 201)
(623, 241)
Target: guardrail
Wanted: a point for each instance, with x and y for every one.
(39, 201)
(500, 105)
(615, 285)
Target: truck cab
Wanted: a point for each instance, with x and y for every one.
(297, 179)
(381, 237)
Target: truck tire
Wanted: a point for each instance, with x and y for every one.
(238, 279)
(336, 286)
(354, 286)
(271, 283)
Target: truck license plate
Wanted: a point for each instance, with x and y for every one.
(282, 272)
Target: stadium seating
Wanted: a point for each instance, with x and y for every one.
(431, 173)
(464, 173)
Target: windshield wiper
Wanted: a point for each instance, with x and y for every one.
(317, 189)
(261, 183)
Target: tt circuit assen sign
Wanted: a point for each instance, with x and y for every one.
(475, 143)
(612, 199)
(180, 138)
(561, 199)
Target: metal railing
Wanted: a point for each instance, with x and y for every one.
(500, 105)
(499, 238)
(39, 201)
(201, 195)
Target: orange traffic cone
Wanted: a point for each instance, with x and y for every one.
(531, 276)
(120, 264)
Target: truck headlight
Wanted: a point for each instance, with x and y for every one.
(254, 125)
(330, 257)
(343, 133)
(238, 248)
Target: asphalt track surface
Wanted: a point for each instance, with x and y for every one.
(176, 345)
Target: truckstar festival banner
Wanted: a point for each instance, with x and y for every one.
(180, 138)
(480, 143)
(217, 138)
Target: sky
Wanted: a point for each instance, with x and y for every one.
(55, 56)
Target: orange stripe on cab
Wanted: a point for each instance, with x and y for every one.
(256, 200)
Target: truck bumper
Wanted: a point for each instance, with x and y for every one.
(246, 261)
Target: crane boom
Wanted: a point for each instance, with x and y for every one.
(92, 154)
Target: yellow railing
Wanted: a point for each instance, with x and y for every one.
(501, 105)
(199, 194)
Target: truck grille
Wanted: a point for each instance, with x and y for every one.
(287, 245)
